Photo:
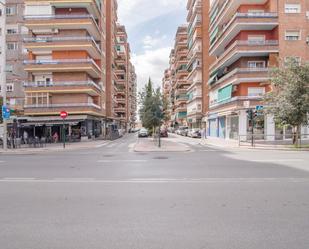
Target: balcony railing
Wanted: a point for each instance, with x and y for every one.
(60, 62)
(60, 39)
(242, 15)
(240, 71)
(237, 98)
(61, 17)
(64, 105)
(65, 83)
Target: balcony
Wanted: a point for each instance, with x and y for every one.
(223, 10)
(244, 49)
(55, 109)
(64, 65)
(240, 21)
(120, 109)
(93, 6)
(237, 102)
(241, 75)
(54, 22)
(87, 43)
(88, 87)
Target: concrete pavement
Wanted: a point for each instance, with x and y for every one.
(112, 197)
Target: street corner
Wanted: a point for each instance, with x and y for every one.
(152, 145)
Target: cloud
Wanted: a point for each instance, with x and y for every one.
(151, 63)
(133, 12)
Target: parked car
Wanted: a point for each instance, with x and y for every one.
(163, 132)
(184, 132)
(171, 130)
(195, 133)
(143, 132)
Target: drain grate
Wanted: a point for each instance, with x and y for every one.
(160, 158)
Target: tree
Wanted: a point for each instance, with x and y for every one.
(289, 99)
(151, 110)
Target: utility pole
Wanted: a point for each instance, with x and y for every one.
(3, 69)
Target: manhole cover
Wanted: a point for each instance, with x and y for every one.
(160, 158)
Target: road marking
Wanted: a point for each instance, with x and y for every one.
(111, 145)
(210, 150)
(276, 160)
(101, 145)
(157, 180)
(123, 161)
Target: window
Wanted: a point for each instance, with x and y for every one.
(11, 31)
(292, 35)
(256, 91)
(9, 87)
(10, 10)
(292, 8)
(12, 46)
(9, 68)
(289, 58)
(256, 64)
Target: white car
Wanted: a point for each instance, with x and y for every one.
(143, 133)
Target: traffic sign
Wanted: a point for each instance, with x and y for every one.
(6, 112)
(64, 114)
(259, 108)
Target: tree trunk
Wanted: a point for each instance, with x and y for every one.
(296, 135)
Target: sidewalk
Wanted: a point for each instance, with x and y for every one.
(57, 147)
(223, 143)
(149, 145)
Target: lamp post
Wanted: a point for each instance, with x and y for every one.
(3, 69)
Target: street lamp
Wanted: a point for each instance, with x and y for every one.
(3, 73)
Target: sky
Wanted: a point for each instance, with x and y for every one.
(151, 27)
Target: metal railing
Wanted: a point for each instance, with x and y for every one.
(242, 70)
(65, 17)
(66, 83)
(235, 99)
(63, 105)
(59, 62)
(274, 139)
(243, 15)
(60, 39)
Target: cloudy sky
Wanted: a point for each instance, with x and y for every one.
(151, 27)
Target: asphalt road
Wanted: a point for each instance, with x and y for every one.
(111, 197)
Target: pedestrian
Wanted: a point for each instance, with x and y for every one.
(25, 137)
(55, 137)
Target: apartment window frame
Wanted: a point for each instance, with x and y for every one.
(263, 63)
(12, 31)
(256, 91)
(292, 8)
(11, 10)
(12, 45)
(9, 87)
(288, 36)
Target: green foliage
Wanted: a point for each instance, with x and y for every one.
(289, 99)
(151, 102)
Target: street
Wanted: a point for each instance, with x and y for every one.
(112, 197)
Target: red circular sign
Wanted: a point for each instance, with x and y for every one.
(64, 114)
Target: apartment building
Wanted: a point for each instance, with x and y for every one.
(122, 76)
(166, 89)
(180, 84)
(195, 60)
(2, 46)
(111, 54)
(15, 54)
(132, 96)
(248, 38)
(65, 66)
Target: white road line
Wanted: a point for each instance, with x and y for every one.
(276, 160)
(101, 145)
(158, 180)
(123, 161)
